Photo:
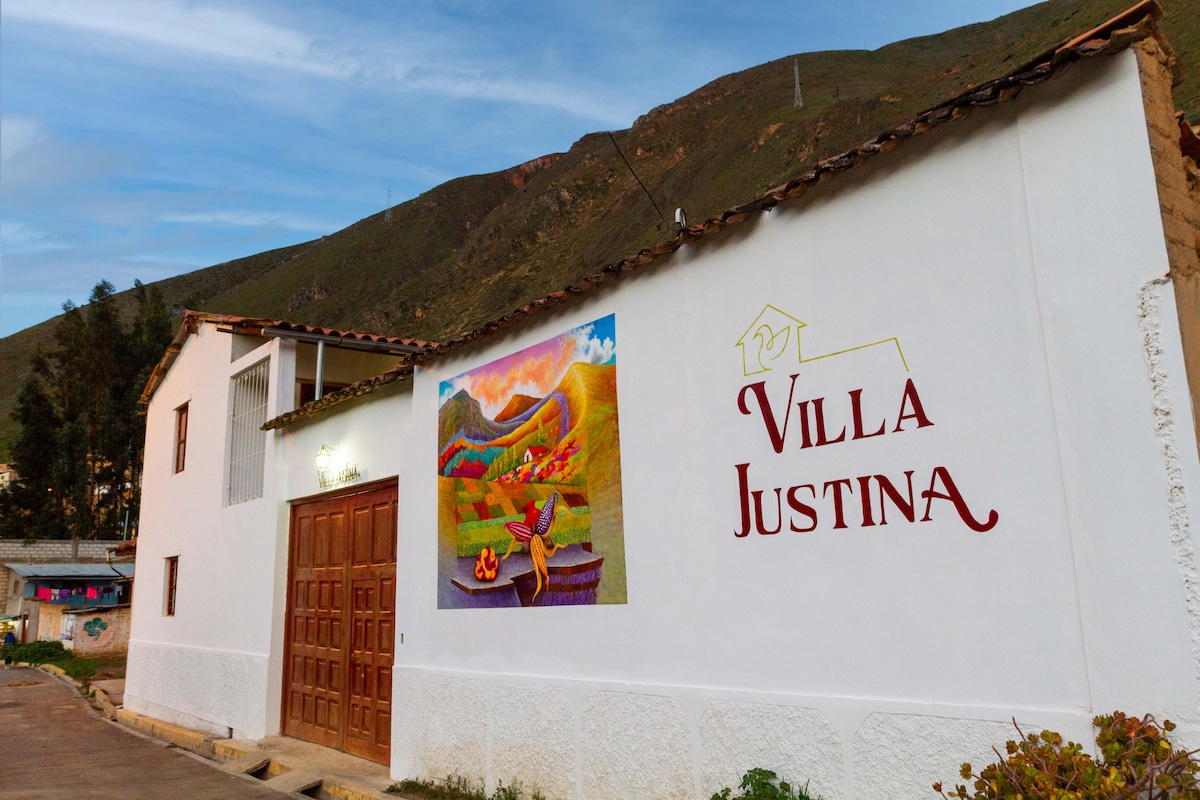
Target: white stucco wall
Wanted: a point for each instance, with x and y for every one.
(217, 664)
(220, 637)
(870, 661)
(1017, 256)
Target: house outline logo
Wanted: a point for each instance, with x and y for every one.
(774, 330)
(777, 324)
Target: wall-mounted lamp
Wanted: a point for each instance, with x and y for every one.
(326, 476)
(324, 459)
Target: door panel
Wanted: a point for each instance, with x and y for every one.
(372, 574)
(341, 621)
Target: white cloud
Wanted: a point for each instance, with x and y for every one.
(592, 349)
(35, 161)
(21, 237)
(18, 135)
(249, 219)
(203, 30)
(476, 86)
(237, 36)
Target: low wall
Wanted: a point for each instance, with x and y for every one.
(46, 550)
(97, 632)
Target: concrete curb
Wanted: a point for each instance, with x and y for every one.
(186, 738)
(224, 751)
(106, 706)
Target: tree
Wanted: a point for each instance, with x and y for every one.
(29, 509)
(80, 447)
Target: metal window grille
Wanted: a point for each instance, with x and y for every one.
(248, 443)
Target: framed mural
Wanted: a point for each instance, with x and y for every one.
(529, 477)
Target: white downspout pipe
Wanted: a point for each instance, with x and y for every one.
(320, 389)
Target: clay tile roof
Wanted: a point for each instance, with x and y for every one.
(192, 320)
(256, 325)
(357, 336)
(1115, 35)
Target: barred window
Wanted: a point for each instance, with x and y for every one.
(247, 442)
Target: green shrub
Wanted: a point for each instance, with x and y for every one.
(1138, 762)
(760, 784)
(456, 787)
(35, 652)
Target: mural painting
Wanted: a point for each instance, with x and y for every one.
(529, 477)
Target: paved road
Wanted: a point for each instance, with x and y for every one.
(53, 748)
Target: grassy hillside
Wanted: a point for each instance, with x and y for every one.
(476, 247)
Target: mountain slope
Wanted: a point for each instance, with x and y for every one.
(476, 247)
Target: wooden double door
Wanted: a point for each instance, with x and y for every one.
(341, 621)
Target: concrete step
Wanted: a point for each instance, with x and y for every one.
(244, 765)
(295, 781)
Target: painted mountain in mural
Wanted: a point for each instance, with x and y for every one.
(518, 405)
(558, 425)
(541, 485)
(462, 418)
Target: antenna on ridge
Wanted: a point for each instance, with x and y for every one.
(387, 214)
(799, 101)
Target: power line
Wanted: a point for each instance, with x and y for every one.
(636, 178)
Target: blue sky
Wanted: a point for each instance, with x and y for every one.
(148, 138)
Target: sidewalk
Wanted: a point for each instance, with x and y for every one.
(55, 746)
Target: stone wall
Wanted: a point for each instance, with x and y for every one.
(17, 550)
(1178, 182)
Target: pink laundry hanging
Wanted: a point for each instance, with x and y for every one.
(92, 593)
(43, 592)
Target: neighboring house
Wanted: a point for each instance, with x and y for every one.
(18, 612)
(51, 590)
(973, 496)
(8, 475)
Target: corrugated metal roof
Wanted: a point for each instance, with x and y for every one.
(76, 570)
(93, 609)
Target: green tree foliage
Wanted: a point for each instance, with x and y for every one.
(79, 453)
(1137, 762)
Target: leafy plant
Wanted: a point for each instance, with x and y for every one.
(81, 669)
(1138, 762)
(456, 787)
(36, 652)
(761, 784)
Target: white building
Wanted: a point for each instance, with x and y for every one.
(900, 458)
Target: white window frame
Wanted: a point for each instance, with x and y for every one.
(249, 394)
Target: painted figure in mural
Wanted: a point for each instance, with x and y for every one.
(535, 530)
